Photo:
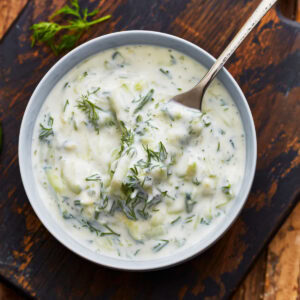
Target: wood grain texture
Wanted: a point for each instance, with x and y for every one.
(253, 285)
(283, 263)
(267, 67)
(290, 9)
(9, 11)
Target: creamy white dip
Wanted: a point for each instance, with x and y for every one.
(128, 173)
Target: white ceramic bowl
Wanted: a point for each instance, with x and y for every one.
(61, 68)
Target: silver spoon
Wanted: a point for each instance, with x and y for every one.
(193, 98)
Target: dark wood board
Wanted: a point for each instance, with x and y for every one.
(267, 67)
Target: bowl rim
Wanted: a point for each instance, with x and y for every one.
(64, 237)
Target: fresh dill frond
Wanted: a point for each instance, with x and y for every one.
(175, 220)
(92, 228)
(151, 154)
(46, 132)
(110, 231)
(189, 203)
(163, 154)
(64, 37)
(160, 155)
(160, 245)
(66, 104)
(227, 191)
(195, 181)
(94, 177)
(127, 137)
(144, 100)
(89, 108)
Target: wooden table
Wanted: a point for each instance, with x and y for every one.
(267, 67)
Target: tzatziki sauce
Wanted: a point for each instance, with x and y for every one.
(125, 171)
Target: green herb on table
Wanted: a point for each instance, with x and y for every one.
(59, 37)
(46, 132)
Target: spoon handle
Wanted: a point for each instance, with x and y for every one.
(257, 15)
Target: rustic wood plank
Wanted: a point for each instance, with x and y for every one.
(9, 11)
(290, 9)
(268, 72)
(298, 11)
(253, 285)
(283, 263)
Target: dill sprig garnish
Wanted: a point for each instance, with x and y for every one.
(110, 231)
(189, 203)
(165, 72)
(175, 220)
(163, 154)
(160, 155)
(89, 108)
(65, 106)
(137, 203)
(98, 231)
(64, 37)
(227, 191)
(144, 100)
(94, 177)
(45, 132)
(127, 137)
(160, 245)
